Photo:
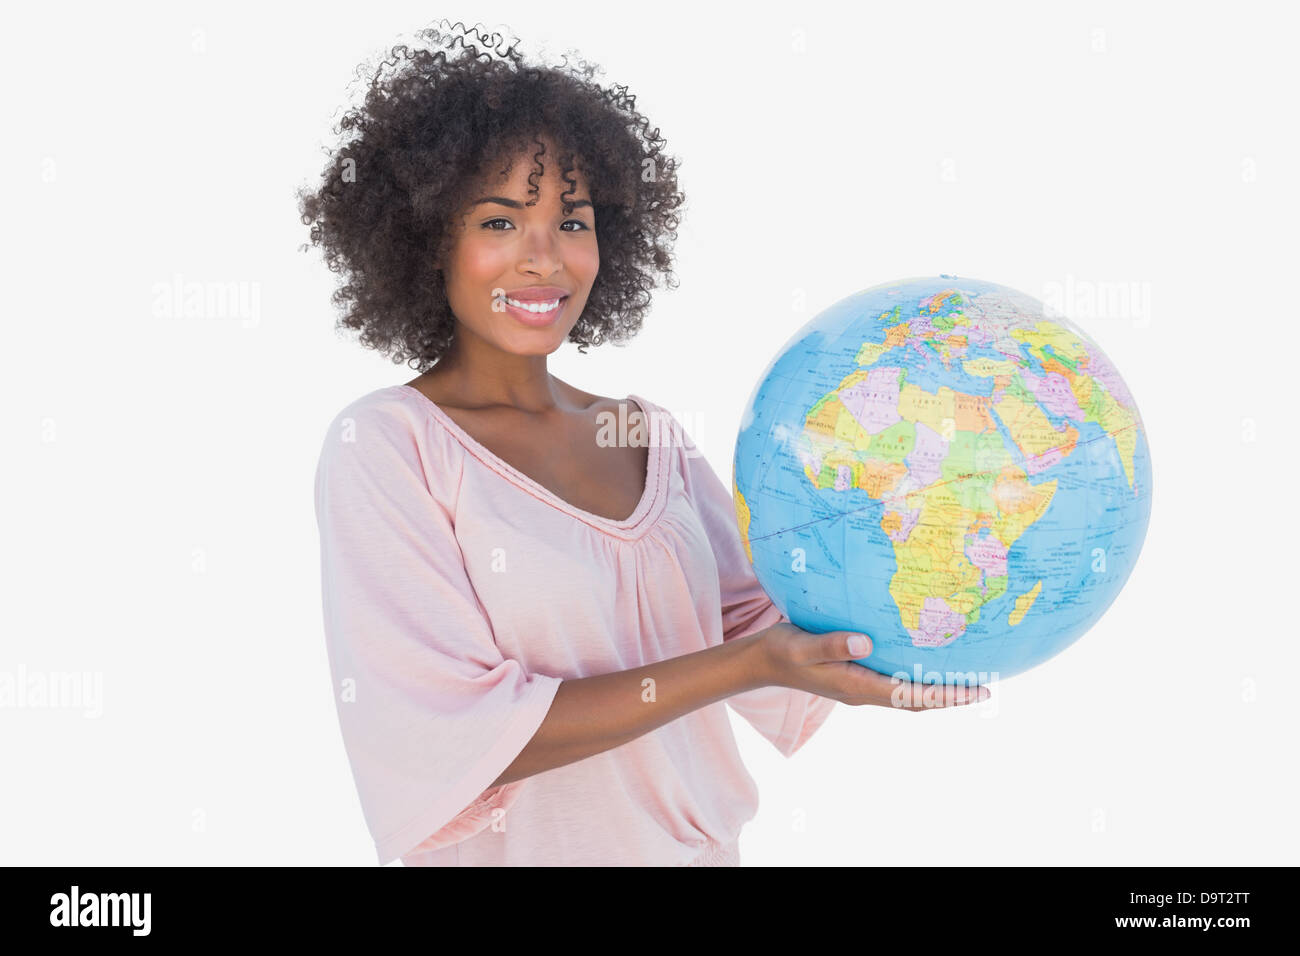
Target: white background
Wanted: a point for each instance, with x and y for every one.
(157, 520)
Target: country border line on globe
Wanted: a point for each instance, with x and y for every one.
(885, 499)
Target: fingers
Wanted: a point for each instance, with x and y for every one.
(906, 695)
(873, 687)
(876, 688)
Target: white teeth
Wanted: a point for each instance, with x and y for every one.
(534, 306)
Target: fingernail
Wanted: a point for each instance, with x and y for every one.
(858, 645)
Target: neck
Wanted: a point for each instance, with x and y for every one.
(481, 375)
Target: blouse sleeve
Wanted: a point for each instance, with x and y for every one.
(785, 716)
(430, 711)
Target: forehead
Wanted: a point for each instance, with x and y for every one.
(523, 165)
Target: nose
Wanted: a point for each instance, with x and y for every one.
(540, 256)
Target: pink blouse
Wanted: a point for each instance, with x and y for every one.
(458, 593)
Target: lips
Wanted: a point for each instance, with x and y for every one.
(536, 306)
(537, 293)
(537, 315)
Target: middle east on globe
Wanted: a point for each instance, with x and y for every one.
(942, 464)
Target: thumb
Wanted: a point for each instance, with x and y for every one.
(847, 645)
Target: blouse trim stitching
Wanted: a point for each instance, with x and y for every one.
(630, 528)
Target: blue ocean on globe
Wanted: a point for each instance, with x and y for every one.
(945, 466)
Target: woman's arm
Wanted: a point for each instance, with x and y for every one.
(594, 714)
(590, 715)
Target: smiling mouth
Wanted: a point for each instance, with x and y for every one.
(537, 308)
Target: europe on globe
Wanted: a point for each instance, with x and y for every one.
(945, 466)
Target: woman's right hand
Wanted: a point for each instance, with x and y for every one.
(823, 664)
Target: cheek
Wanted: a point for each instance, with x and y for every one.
(477, 270)
(583, 259)
(480, 262)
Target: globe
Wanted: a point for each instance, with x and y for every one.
(945, 466)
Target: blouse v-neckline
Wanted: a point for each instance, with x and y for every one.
(633, 526)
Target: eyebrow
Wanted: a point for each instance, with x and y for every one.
(515, 204)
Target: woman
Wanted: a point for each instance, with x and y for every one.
(536, 599)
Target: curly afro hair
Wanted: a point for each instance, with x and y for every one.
(433, 120)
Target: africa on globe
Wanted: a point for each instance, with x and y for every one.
(945, 466)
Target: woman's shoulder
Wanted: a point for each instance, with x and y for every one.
(393, 407)
(638, 413)
(395, 419)
(663, 425)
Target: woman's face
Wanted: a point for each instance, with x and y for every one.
(510, 261)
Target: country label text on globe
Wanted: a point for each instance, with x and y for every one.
(944, 465)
